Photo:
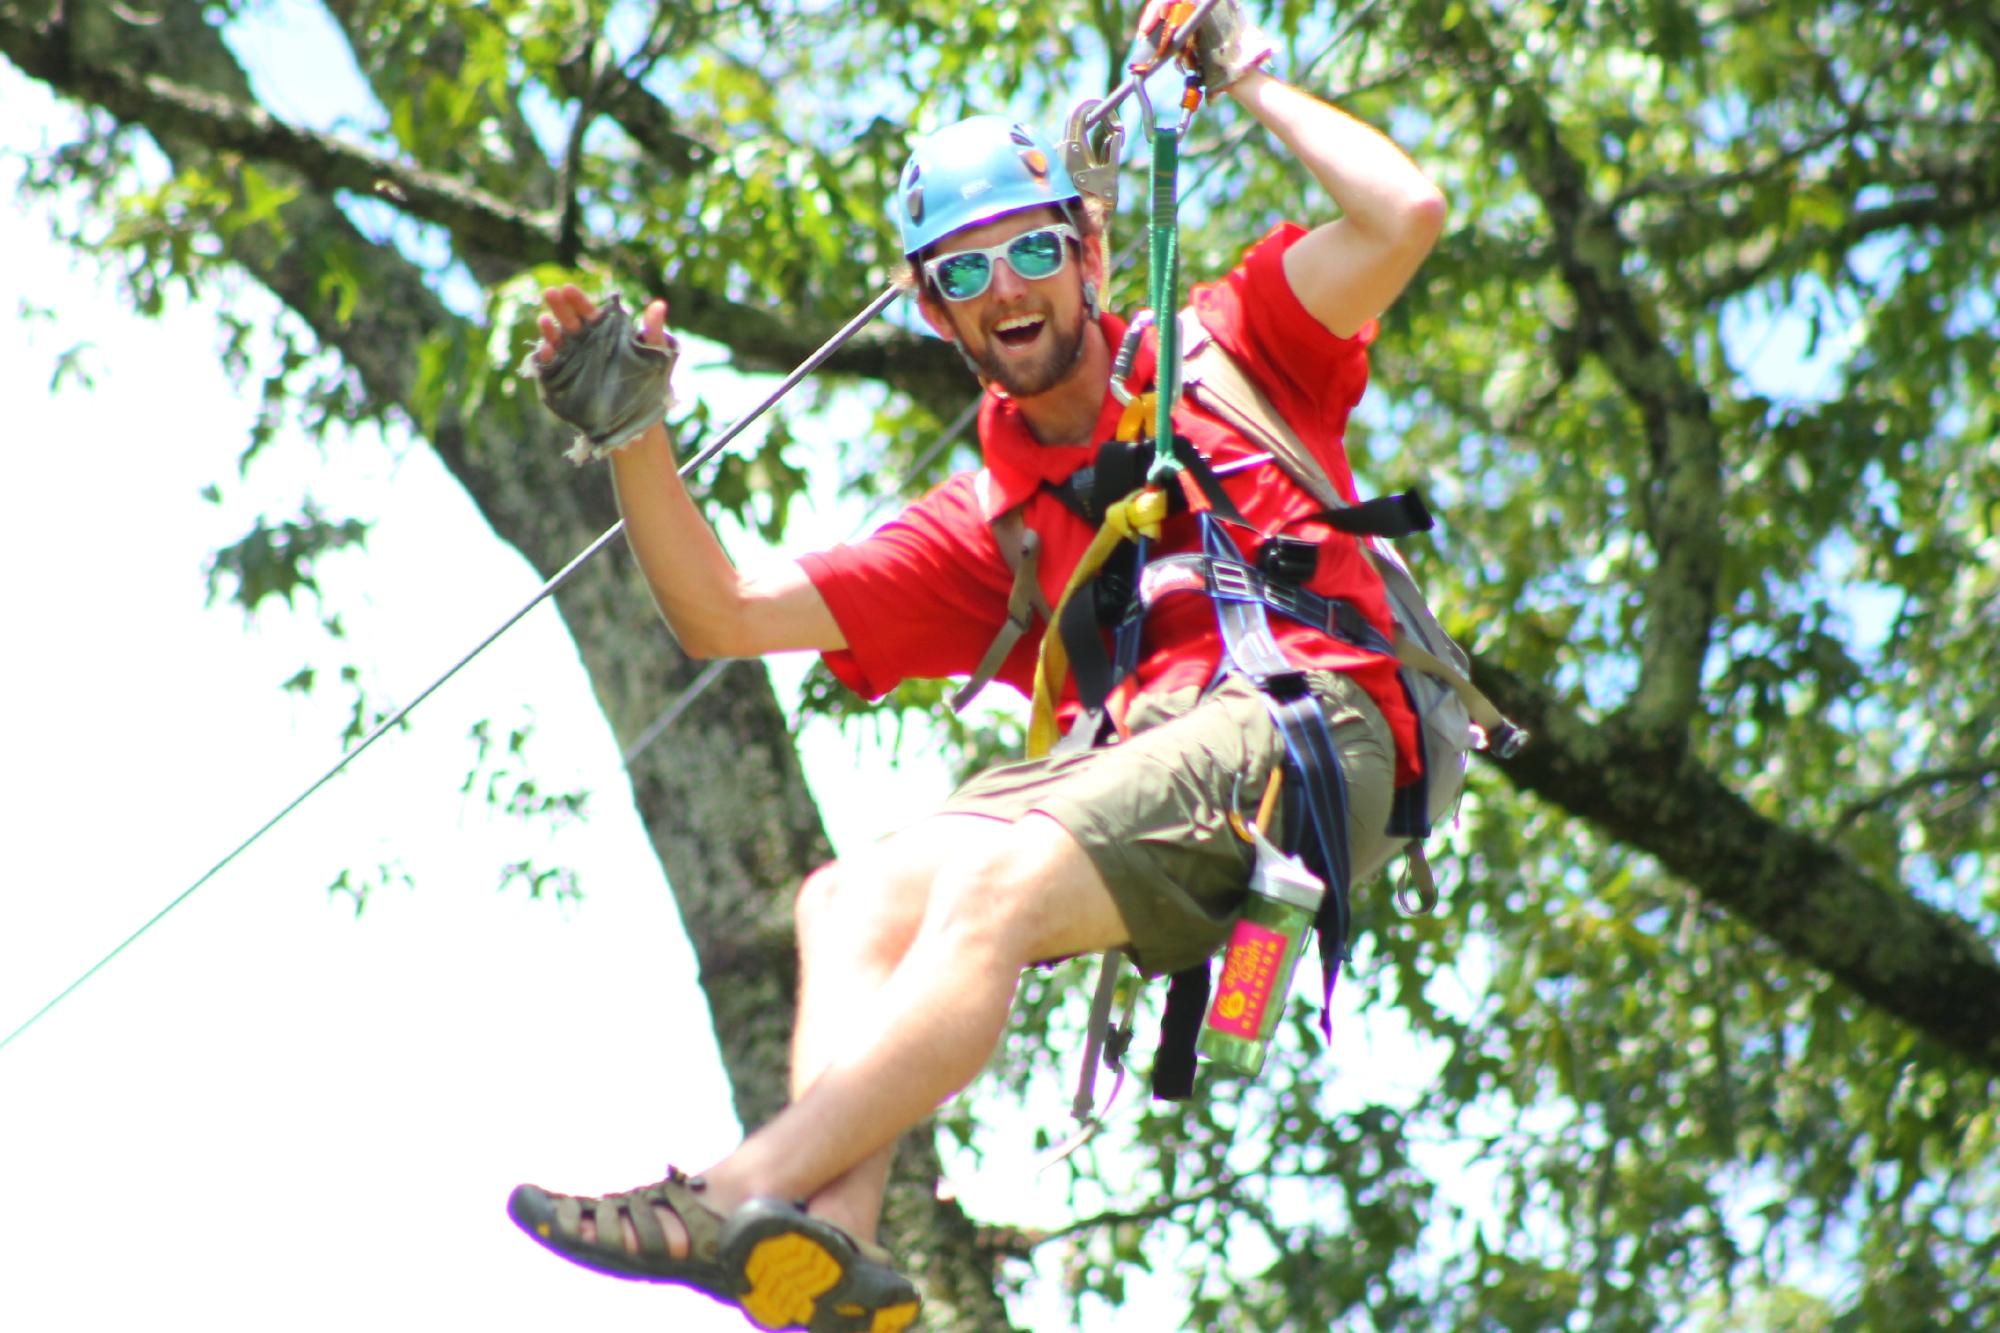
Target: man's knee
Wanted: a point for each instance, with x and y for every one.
(854, 910)
(1028, 894)
(816, 897)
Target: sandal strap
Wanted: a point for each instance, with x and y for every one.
(638, 1206)
(679, 1193)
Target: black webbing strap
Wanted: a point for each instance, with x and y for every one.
(1080, 623)
(1323, 804)
(1391, 516)
(1207, 482)
(1180, 1024)
(1116, 470)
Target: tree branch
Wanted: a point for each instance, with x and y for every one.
(1965, 776)
(1225, 1187)
(1906, 958)
(761, 340)
(224, 124)
(1685, 488)
(1965, 194)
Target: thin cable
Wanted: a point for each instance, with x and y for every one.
(548, 589)
(673, 710)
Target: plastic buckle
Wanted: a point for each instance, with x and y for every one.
(1284, 684)
(1293, 559)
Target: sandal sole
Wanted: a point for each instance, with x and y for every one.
(800, 1273)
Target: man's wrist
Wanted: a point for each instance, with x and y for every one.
(1251, 82)
(1229, 47)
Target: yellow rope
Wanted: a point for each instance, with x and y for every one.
(1137, 421)
(1138, 513)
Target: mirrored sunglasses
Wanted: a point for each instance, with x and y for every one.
(964, 274)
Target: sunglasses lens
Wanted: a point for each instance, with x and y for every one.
(962, 277)
(1036, 254)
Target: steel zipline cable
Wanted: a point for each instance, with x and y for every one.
(542, 594)
(881, 302)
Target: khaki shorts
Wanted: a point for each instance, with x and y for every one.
(1153, 810)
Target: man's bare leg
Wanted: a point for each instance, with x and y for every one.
(856, 920)
(911, 956)
(1006, 896)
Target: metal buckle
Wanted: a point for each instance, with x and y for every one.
(1235, 580)
(1508, 742)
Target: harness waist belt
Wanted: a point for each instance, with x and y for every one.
(1234, 581)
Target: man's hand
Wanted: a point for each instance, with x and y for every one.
(1226, 46)
(598, 374)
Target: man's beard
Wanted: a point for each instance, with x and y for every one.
(1038, 374)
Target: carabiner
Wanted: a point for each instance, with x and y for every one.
(1128, 347)
(1093, 141)
(1145, 107)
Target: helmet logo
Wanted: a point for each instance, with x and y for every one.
(1037, 163)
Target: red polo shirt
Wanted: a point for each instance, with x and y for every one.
(925, 593)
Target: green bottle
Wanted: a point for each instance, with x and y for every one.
(1264, 948)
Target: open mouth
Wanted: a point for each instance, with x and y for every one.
(1018, 330)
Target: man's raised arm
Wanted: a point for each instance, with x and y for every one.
(712, 609)
(1347, 271)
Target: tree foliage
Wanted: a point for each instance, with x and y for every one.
(1701, 379)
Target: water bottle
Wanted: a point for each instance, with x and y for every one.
(1264, 949)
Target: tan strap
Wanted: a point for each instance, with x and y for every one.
(1021, 547)
(1413, 654)
(1214, 379)
(1503, 737)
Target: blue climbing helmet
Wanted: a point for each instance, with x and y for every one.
(979, 169)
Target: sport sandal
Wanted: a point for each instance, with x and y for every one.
(556, 1222)
(797, 1271)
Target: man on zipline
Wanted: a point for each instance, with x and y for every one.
(911, 950)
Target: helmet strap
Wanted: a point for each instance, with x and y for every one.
(1090, 307)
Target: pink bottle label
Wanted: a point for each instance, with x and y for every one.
(1249, 972)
